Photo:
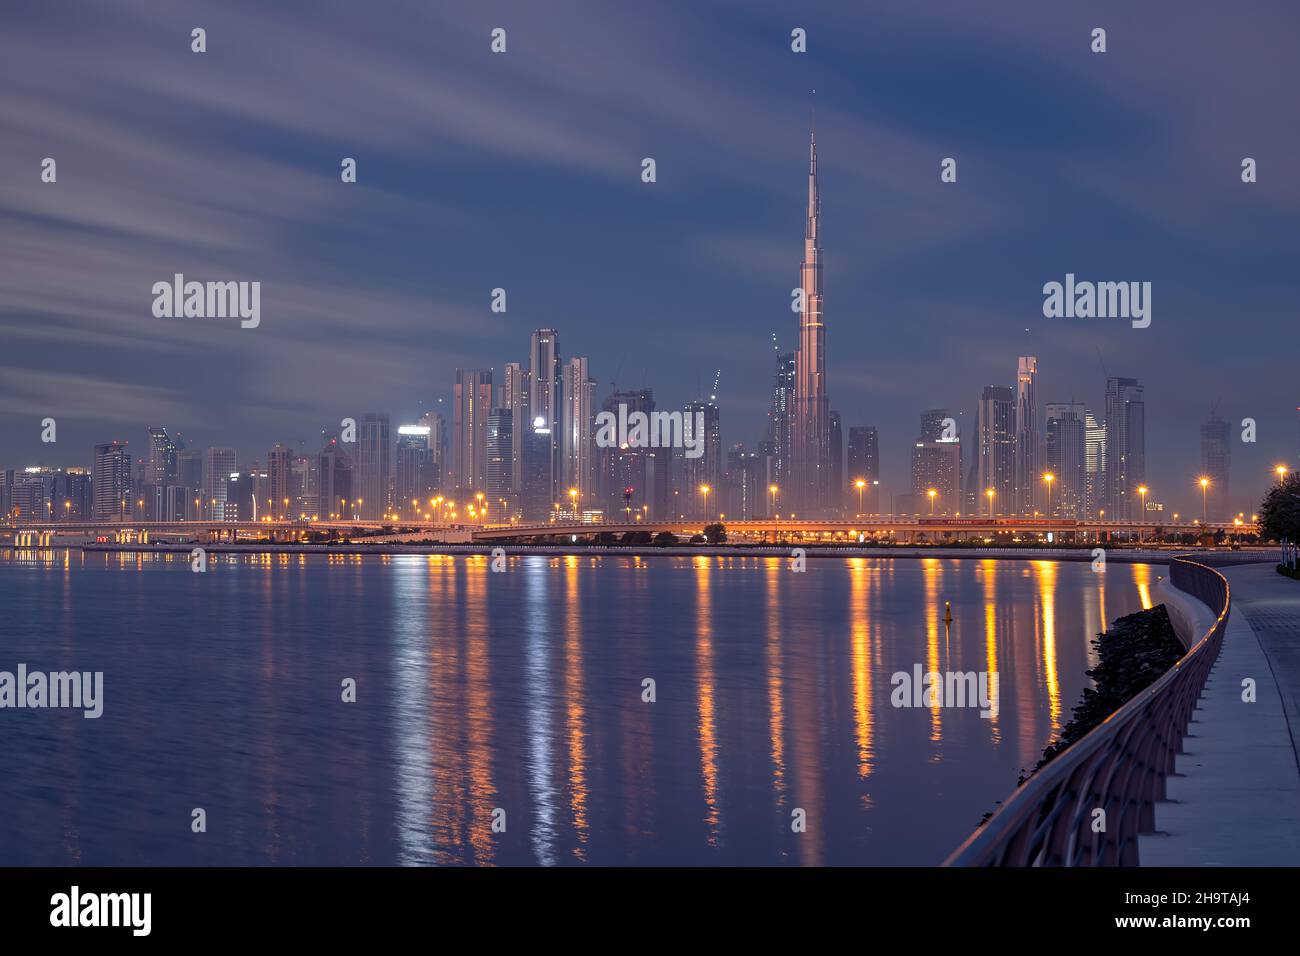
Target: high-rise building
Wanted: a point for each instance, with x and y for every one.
(545, 396)
(1028, 466)
(414, 478)
(515, 394)
(111, 478)
(705, 470)
(810, 424)
(1125, 445)
(334, 477)
(779, 419)
(277, 469)
(936, 465)
(374, 466)
(1066, 447)
(996, 451)
(469, 441)
(578, 450)
(218, 465)
(648, 472)
(836, 492)
(536, 498)
(501, 496)
(1215, 451)
(1095, 465)
(438, 463)
(864, 466)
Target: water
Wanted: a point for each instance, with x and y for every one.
(522, 692)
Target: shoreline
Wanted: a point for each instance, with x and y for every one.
(1122, 556)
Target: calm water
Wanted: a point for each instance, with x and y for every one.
(522, 691)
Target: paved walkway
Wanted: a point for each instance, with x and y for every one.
(1235, 800)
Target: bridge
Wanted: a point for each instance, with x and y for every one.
(905, 529)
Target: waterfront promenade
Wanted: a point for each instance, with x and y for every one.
(1235, 799)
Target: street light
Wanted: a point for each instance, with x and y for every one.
(772, 490)
(704, 500)
(989, 493)
(860, 484)
(933, 494)
(1142, 490)
(1205, 506)
(1049, 478)
(1281, 473)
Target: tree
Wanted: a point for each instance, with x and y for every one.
(715, 533)
(1279, 513)
(665, 539)
(607, 537)
(636, 537)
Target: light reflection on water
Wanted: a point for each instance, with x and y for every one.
(520, 694)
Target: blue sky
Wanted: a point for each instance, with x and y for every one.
(522, 170)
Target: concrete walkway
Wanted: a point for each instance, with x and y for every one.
(1235, 800)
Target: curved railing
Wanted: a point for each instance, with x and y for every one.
(1119, 767)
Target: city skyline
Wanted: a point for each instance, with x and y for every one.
(934, 284)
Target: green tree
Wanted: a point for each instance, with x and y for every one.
(715, 533)
(1279, 513)
(665, 539)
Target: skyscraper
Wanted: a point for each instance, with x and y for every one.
(515, 395)
(578, 450)
(1215, 452)
(413, 480)
(501, 496)
(1095, 465)
(779, 418)
(864, 466)
(810, 425)
(836, 491)
(374, 466)
(111, 480)
(545, 385)
(707, 468)
(936, 465)
(1028, 470)
(469, 441)
(218, 466)
(996, 451)
(1125, 445)
(1066, 452)
(437, 425)
(279, 504)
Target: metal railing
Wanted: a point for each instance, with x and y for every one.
(1119, 767)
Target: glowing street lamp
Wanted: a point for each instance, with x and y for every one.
(772, 490)
(933, 494)
(1049, 478)
(1281, 473)
(704, 499)
(860, 484)
(1142, 491)
(989, 494)
(1205, 506)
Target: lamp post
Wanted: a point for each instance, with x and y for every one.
(1049, 478)
(860, 485)
(704, 501)
(772, 490)
(1205, 500)
(1281, 473)
(933, 494)
(1142, 492)
(989, 494)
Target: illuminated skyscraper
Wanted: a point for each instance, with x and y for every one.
(545, 400)
(810, 431)
(374, 466)
(1125, 445)
(578, 449)
(112, 480)
(1066, 451)
(469, 444)
(1028, 470)
(996, 450)
(280, 503)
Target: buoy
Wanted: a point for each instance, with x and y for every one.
(947, 613)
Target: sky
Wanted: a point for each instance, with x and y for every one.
(522, 170)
